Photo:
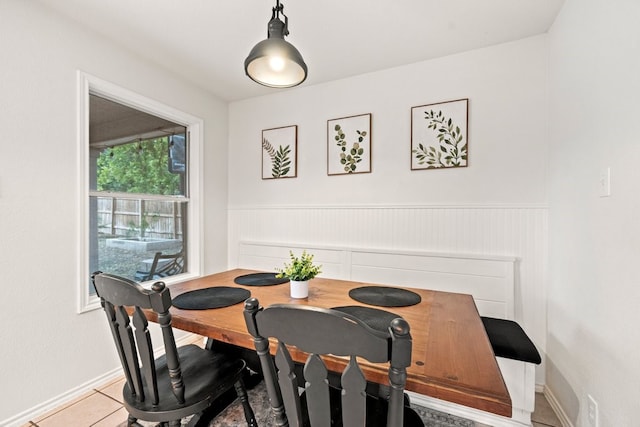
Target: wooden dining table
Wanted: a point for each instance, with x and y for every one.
(452, 358)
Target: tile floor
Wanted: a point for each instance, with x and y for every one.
(543, 415)
(103, 408)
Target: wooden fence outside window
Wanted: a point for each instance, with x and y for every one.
(158, 219)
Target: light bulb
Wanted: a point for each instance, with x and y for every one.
(276, 63)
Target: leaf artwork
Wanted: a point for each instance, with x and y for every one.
(452, 150)
(280, 161)
(349, 159)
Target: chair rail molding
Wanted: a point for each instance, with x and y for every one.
(542, 206)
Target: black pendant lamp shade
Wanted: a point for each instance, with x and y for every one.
(275, 62)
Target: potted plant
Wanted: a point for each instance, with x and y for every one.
(299, 272)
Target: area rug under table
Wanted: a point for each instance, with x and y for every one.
(234, 416)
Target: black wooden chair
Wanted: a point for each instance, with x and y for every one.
(163, 265)
(319, 331)
(185, 381)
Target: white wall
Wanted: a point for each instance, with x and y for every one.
(593, 344)
(506, 86)
(497, 205)
(47, 349)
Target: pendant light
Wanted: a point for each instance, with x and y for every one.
(275, 62)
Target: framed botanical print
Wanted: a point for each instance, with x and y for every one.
(280, 152)
(439, 135)
(349, 145)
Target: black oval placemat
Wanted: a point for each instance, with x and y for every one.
(214, 297)
(384, 296)
(372, 317)
(260, 279)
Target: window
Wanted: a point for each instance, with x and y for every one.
(140, 196)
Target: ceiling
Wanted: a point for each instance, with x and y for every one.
(111, 124)
(206, 41)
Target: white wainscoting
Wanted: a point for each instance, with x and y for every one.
(489, 279)
(518, 231)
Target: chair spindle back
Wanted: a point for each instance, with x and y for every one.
(319, 331)
(134, 344)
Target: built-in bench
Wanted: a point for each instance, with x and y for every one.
(489, 279)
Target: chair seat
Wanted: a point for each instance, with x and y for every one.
(377, 414)
(376, 411)
(207, 375)
(510, 341)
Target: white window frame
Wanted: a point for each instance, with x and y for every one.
(90, 84)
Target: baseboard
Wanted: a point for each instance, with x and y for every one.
(557, 408)
(55, 402)
(70, 395)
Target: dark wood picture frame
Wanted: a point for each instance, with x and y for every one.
(349, 145)
(440, 135)
(280, 152)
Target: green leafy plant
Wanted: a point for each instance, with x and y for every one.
(452, 150)
(349, 159)
(139, 167)
(300, 269)
(280, 161)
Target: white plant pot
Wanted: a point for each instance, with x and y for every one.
(299, 289)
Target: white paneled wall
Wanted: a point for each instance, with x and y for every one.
(509, 230)
(489, 279)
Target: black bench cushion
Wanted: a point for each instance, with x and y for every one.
(510, 341)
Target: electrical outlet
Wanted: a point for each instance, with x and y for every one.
(592, 411)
